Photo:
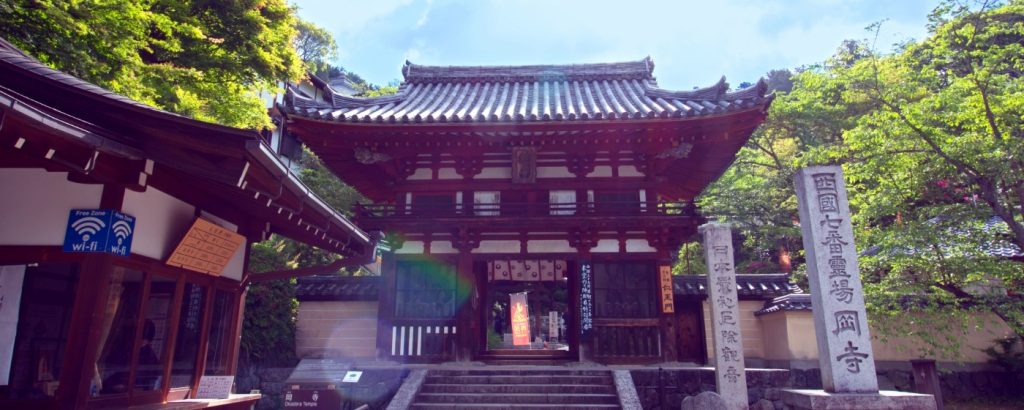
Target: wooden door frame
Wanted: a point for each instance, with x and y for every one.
(572, 330)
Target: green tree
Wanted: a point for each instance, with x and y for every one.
(206, 60)
(316, 48)
(931, 139)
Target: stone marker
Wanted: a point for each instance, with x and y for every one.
(705, 401)
(730, 377)
(837, 297)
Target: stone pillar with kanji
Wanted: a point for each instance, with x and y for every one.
(730, 368)
(837, 296)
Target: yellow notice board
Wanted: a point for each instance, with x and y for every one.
(665, 274)
(206, 248)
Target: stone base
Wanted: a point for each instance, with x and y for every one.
(883, 400)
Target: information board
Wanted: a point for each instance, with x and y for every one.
(206, 248)
(214, 387)
(312, 399)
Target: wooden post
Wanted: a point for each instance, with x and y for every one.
(386, 301)
(466, 318)
(584, 240)
(84, 334)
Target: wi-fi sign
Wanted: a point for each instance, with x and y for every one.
(99, 230)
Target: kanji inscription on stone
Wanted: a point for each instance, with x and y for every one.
(837, 296)
(725, 316)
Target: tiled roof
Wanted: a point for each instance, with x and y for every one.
(767, 285)
(340, 288)
(346, 288)
(610, 91)
(796, 301)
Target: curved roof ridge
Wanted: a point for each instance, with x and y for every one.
(640, 69)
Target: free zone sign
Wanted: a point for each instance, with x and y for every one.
(99, 230)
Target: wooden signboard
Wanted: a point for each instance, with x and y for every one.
(206, 248)
(665, 274)
(520, 320)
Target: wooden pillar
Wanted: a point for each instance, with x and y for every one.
(386, 300)
(87, 315)
(79, 366)
(584, 240)
(467, 319)
(664, 241)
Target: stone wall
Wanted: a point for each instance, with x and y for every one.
(764, 384)
(269, 381)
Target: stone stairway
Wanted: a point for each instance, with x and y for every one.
(517, 389)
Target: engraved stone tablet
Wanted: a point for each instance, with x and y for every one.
(837, 297)
(730, 376)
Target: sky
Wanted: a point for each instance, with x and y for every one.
(693, 43)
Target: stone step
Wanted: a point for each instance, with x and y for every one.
(496, 406)
(518, 372)
(605, 379)
(517, 398)
(519, 388)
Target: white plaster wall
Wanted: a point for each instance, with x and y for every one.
(494, 173)
(629, 171)
(639, 245)
(160, 221)
(411, 247)
(554, 172)
(549, 246)
(497, 247)
(448, 173)
(600, 171)
(442, 247)
(421, 174)
(606, 246)
(36, 205)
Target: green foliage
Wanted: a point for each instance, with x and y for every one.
(690, 260)
(268, 329)
(315, 46)
(1008, 353)
(206, 60)
(931, 139)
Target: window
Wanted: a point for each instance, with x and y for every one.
(486, 203)
(624, 290)
(152, 344)
(425, 289)
(617, 202)
(186, 346)
(433, 204)
(562, 202)
(117, 332)
(37, 326)
(217, 354)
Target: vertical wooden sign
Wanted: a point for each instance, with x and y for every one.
(665, 274)
(520, 319)
(586, 299)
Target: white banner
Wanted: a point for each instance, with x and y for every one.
(11, 279)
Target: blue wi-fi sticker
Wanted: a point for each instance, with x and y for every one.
(99, 230)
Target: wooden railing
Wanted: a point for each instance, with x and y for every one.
(627, 339)
(521, 209)
(423, 339)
